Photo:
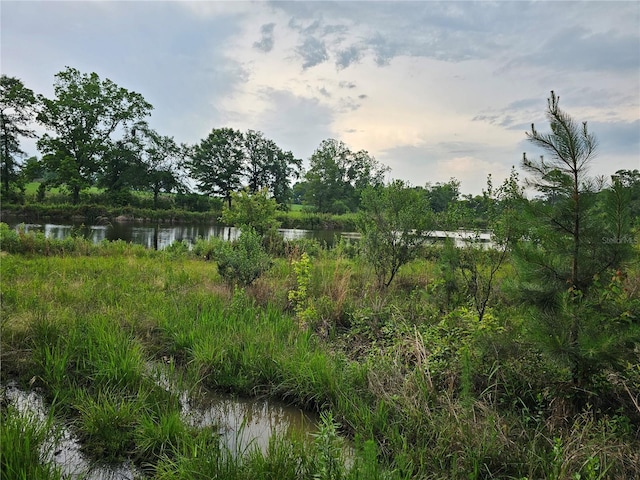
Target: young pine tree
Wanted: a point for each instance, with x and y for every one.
(563, 257)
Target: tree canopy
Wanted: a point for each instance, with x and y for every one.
(216, 163)
(567, 251)
(17, 109)
(337, 176)
(84, 117)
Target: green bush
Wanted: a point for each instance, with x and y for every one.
(243, 261)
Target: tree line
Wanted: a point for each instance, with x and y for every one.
(97, 134)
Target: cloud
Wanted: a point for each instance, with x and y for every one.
(344, 84)
(617, 138)
(295, 122)
(417, 84)
(346, 57)
(576, 48)
(313, 52)
(266, 42)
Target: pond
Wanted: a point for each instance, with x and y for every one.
(157, 236)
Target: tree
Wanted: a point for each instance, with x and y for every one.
(337, 176)
(244, 260)
(629, 181)
(217, 163)
(255, 211)
(394, 222)
(442, 195)
(84, 116)
(564, 256)
(162, 160)
(258, 151)
(268, 166)
(478, 261)
(17, 109)
(120, 168)
(570, 192)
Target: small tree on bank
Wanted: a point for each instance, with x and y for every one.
(394, 222)
(255, 211)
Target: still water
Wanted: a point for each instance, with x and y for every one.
(157, 236)
(242, 425)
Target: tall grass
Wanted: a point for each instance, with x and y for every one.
(24, 441)
(424, 393)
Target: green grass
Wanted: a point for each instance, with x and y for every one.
(24, 441)
(423, 388)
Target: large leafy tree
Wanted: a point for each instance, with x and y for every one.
(162, 162)
(267, 166)
(216, 163)
(17, 109)
(84, 117)
(394, 222)
(564, 256)
(337, 176)
(120, 169)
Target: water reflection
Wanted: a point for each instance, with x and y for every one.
(63, 448)
(249, 423)
(156, 236)
(242, 424)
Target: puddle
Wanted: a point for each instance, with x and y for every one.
(63, 449)
(249, 423)
(242, 423)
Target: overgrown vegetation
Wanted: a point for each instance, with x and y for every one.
(512, 358)
(425, 388)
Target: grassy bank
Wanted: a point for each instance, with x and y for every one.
(425, 389)
(97, 207)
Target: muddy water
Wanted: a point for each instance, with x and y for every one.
(63, 448)
(249, 423)
(242, 424)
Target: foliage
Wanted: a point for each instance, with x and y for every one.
(222, 161)
(443, 195)
(299, 296)
(479, 258)
(146, 161)
(564, 253)
(243, 261)
(267, 166)
(255, 211)
(17, 108)
(84, 116)
(337, 176)
(394, 222)
(216, 163)
(330, 463)
(425, 395)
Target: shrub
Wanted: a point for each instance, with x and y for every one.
(243, 261)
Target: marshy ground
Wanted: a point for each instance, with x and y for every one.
(407, 374)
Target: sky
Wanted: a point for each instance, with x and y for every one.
(432, 90)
